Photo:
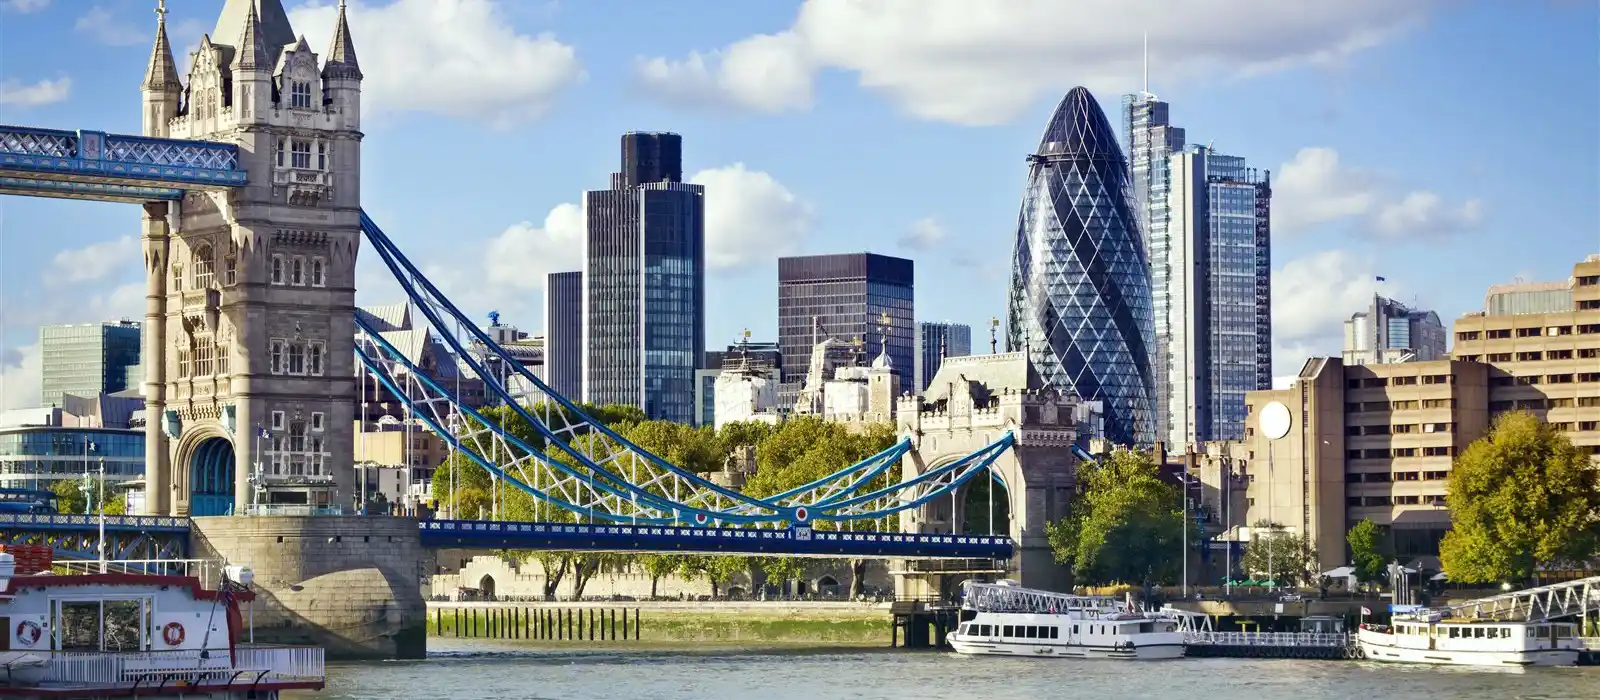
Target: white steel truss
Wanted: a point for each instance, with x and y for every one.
(1557, 600)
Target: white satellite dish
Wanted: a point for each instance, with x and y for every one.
(1274, 420)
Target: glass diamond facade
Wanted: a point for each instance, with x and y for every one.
(1080, 280)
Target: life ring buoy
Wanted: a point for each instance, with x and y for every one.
(172, 634)
(29, 632)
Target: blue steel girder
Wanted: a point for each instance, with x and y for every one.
(795, 542)
(78, 536)
(112, 167)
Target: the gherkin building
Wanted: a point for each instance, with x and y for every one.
(1080, 280)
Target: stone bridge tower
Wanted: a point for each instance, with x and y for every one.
(970, 403)
(251, 294)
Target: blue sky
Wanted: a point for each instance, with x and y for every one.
(1443, 145)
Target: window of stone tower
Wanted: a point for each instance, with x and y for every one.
(222, 359)
(203, 349)
(319, 272)
(297, 271)
(297, 358)
(315, 354)
(322, 155)
(230, 270)
(300, 94)
(177, 278)
(279, 151)
(277, 269)
(277, 422)
(300, 154)
(277, 359)
(204, 262)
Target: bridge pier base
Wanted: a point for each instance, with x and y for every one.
(350, 584)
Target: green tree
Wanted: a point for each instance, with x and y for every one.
(69, 497)
(1284, 557)
(1369, 551)
(716, 570)
(659, 566)
(1126, 525)
(1520, 498)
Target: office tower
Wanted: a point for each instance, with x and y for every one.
(1080, 282)
(936, 341)
(845, 297)
(644, 283)
(563, 333)
(1220, 334)
(1389, 331)
(87, 359)
(1151, 139)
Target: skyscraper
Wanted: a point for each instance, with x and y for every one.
(1218, 263)
(87, 359)
(845, 297)
(1151, 139)
(644, 282)
(563, 333)
(936, 341)
(1389, 331)
(1080, 282)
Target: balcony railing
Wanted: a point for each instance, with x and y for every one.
(108, 668)
(292, 509)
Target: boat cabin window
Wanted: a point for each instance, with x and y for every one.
(100, 625)
(1005, 631)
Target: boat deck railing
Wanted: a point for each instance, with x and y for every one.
(1268, 639)
(255, 663)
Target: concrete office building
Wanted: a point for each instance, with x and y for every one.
(87, 359)
(1377, 441)
(1389, 331)
(936, 341)
(644, 282)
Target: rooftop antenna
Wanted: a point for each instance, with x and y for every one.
(1146, 89)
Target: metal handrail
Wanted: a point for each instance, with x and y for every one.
(1268, 639)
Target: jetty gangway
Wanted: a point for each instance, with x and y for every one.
(1009, 598)
(1538, 604)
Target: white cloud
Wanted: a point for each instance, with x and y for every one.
(459, 58)
(521, 256)
(1315, 188)
(24, 6)
(22, 377)
(101, 26)
(1312, 297)
(984, 63)
(750, 216)
(15, 93)
(94, 261)
(923, 234)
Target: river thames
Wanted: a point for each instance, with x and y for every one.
(490, 672)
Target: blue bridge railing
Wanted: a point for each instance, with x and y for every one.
(94, 163)
(86, 523)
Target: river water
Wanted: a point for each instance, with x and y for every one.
(461, 671)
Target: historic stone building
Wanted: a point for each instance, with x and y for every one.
(250, 301)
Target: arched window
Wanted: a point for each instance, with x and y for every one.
(177, 278)
(297, 271)
(277, 269)
(230, 269)
(319, 272)
(204, 266)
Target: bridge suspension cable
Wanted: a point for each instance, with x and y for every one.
(576, 463)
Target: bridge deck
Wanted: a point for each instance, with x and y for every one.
(112, 167)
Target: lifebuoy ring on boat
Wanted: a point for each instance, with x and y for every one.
(29, 632)
(172, 634)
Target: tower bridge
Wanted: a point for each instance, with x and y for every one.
(248, 176)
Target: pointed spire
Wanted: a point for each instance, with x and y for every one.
(341, 61)
(163, 72)
(251, 53)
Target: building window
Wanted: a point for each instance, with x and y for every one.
(279, 151)
(300, 153)
(319, 272)
(297, 358)
(204, 270)
(183, 362)
(297, 436)
(230, 270)
(277, 423)
(314, 357)
(297, 271)
(316, 421)
(300, 95)
(277, 357)
(277, 269)
(177, 278)
(222, 358)
(322, 155)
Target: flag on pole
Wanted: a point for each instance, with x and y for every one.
(1380, 279)
(93, 447)
(1365, 611)
(262, 433)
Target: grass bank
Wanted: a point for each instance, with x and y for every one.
(779, 626)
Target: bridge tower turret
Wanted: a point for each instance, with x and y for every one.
(252, 368)
(162, 90)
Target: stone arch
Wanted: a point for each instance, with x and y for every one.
(968, 511)
(486, 586)
(206, 471)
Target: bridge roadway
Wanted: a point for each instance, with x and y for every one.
(153, 537)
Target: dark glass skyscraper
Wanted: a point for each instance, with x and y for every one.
(845, 297)
(87, 359)
(563, 333)
(644, 283)
(1080, 282)
(936, 341)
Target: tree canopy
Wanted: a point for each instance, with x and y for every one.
(1125, 525)
(1520, 498)
(1369, 551)
(1286, 558)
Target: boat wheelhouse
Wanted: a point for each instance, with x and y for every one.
(1422, 639)
(152, 636)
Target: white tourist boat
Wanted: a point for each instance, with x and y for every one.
(1427, 639)
(158, 637)
(1012, 621)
